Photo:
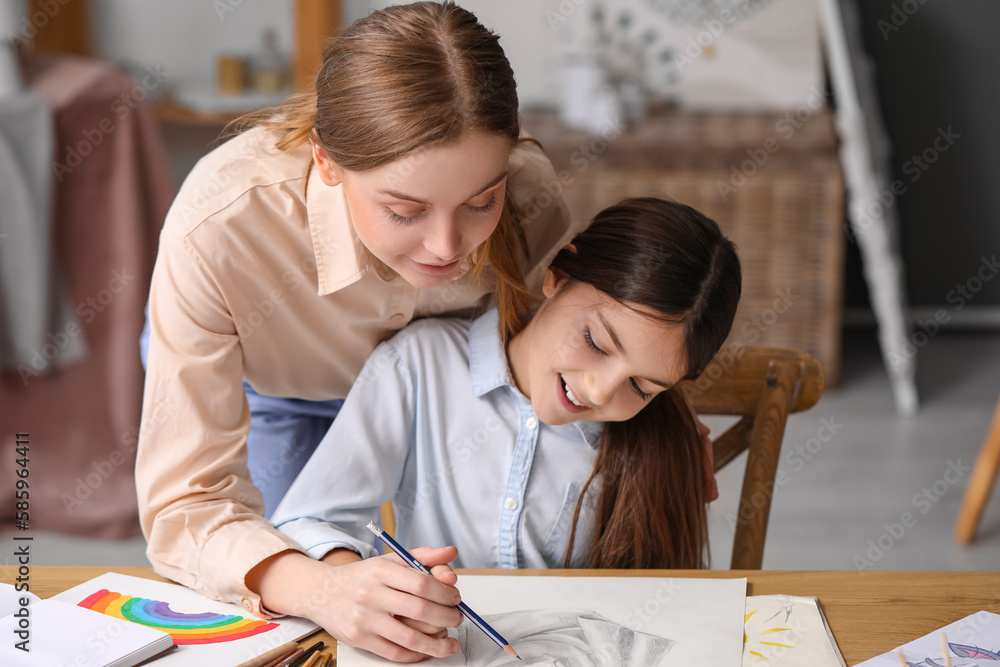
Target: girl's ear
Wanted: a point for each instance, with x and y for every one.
(553, 282)
(329, 172)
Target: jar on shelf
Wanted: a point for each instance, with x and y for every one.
(269, 67)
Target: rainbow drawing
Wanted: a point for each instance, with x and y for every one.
(204, 628)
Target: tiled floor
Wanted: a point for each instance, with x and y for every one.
(838, 509)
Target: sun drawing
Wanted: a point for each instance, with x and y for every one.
(765, 639)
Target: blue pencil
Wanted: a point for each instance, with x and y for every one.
(462, 607)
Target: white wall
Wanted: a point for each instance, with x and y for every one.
(185, 37)
(530, 44)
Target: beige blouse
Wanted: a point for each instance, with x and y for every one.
(261, 276)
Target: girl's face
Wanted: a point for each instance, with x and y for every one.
(586, 356)
(423, 214)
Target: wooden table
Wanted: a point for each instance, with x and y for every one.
(870, 613)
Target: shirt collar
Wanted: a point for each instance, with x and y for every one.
(489, 370)
(339, 252)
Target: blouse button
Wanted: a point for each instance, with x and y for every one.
(510, 503)
(531, 423)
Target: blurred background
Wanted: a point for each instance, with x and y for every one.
(845, 146)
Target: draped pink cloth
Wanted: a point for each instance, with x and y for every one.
(111, 193)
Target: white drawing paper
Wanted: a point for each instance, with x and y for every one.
(596, 621)
(973, 641)
(788, 631)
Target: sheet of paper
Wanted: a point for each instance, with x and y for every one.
(596, 622)
(60, 634)
(973, 641)
(10, 599)
(208, 633)
(788, 631)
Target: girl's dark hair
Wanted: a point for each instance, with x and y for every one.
(674, 264)
(402, 79)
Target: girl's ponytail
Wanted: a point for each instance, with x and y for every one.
(650, 512)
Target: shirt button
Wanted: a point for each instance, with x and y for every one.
(398, 318)
(247, 605)
(510, 503)
(531, 423)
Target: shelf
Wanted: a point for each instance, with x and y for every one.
(169, 109)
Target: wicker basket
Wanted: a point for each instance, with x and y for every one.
(785, 217)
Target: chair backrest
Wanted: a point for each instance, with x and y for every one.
(763, 385)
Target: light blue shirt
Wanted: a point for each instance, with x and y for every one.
(436, 424)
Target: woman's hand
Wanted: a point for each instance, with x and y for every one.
(380, 604)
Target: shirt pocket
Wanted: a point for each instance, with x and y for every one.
(554, 549)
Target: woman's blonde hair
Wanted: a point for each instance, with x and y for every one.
(402, 79)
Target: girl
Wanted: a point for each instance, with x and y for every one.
(566, 447)
(401, 188)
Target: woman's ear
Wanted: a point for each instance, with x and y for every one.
(329, 172)
(553, 282)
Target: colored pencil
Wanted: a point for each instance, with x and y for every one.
(287, 661)
(944, 648)
(462, 607)
(264, 659)
(308, 653)
(313, 660)
(902, 660)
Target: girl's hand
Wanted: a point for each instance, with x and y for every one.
(380, 604)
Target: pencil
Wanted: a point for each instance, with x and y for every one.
(902, 660)
(264, 659)
(284, 662)
(462, 607)
(944, 648)
(313, 660)
(308, 653)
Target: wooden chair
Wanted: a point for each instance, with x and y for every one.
(763, 385)
(984, 474)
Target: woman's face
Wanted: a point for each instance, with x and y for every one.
(586, 356)
(423, 214)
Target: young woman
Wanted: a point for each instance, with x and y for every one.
(403, 187)
(566, 447)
